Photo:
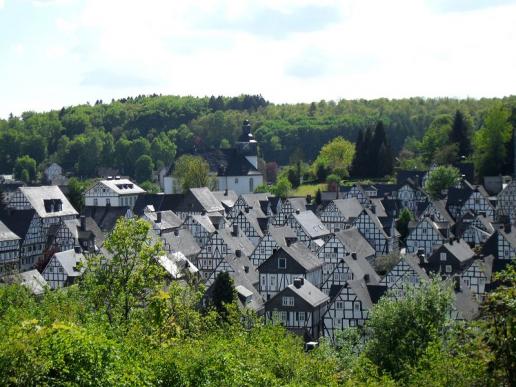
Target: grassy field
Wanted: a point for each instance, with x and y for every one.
(308, 189)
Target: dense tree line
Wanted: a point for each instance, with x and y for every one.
(83, 138)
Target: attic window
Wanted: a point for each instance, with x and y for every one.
(282, 263)
(53, 205)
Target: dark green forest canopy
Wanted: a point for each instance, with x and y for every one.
(84, 137)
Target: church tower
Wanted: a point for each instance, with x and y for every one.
(247, 145)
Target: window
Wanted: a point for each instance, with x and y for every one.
(423, 231)
(287, 301)
(339, 305)
(356, 306)
(443, 257)
(236, 180)
(282, 263)
(284, 316)
(466, 281)
(262, 250)
(251, 185)
(301, 316)
(273, 281)
(264, 280)
(335, 250)
(448, 269)
(481, 281)
(108, 201)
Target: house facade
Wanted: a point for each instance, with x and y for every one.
(114, 192)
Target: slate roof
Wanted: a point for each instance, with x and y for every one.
(253, 221)
(6, 234)
(298, 203)
(169, 220)
(349, 208)
(383, 189)
(205, 222)
(379, 209)
(355, 242)
(206, 199)
(302, 255)
(279, 234)
(105, 217)
(31, 279)
(309, 293)
(227, 198)
(413, 261)
(311, 224)
(229, 162)
(122, 186)
(359, 287)
(240, 242)
(509, 236)
(154, 200)
(184, 242)
(18, 221)
(69, 260)
(460, 249)
(402, 175)
(39, 196)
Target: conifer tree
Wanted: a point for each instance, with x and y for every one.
(460, 134)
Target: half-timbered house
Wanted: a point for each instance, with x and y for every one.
(350, 305)
(340, 214)
(9, 250)
(309, 229)
(50, 208)
(201, 228)
(228, 198)
(478, 275)
(270, 242)
(114, 192)
(478, 230)
(373, 230)
(222, 243)
(64, 268)
(32, 280)
(407, 272)
(450, 258)
(468, 197)
(345, 257)
(288, 207)
(248, 222)
(81, 232)
(358, 192)
(181, 240)
(299, 307)
(410, 196)
(427, 234)
(288, 262)
(506, 203)
(163, 221)
(502, 244)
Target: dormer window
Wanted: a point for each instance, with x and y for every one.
(282, 263)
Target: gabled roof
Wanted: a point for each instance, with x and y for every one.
(459, 249)
(349, 208)
(40, 198)
(31, 279)
(253, 221)
(308, 292)
(279, 234)
(376, 221)
(300, 253)
(297, 203)
(122, 186)
(183, 242)
(355, 242)
(105, 217)
(379, 209)
(413, 261)
(18, 221)
(240, 242)
(227, 198)
(6, 234)
(229, 162)
(176, 264)
(169, 220)
(207, 201)
(509, 236)
(69, 260)
(402, 175)
(465, 302)
(204, 221)
(311, 224)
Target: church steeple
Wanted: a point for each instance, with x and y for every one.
(247, 145)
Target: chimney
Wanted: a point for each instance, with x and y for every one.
(238, 253)
(158, 217)
(246, 209)
(373, 208)
(297, 211)
(226, 192)
(309, 198)
(354, 255)
(246, 269)
(507, 228)
(298, 282)
(337, 229)
(203, 212)
(83, 223)
(235, 230)
(421, 259)
(451, 241)
(366, 278)
(77, 249)
(176, 232)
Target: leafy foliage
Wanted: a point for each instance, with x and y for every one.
(192, 172)
(439, 179)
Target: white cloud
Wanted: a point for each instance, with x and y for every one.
(361, 49)
(2, 4)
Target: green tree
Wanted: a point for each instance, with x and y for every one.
(143, 169)
(282, 187)
(123, 281)
(400, 331)
(460, 134)
(76, 189)
(223, 292)
(337, 154)
(490, 141)
(402, 224)
(499, 327)
(441, 178)
(25, 169)
(192, 172)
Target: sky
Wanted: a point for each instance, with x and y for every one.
(56, 53)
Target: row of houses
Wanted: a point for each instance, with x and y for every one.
(309, 266)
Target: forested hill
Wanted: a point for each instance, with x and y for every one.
(84, 137)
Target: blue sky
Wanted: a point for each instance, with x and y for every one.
(57, 53)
